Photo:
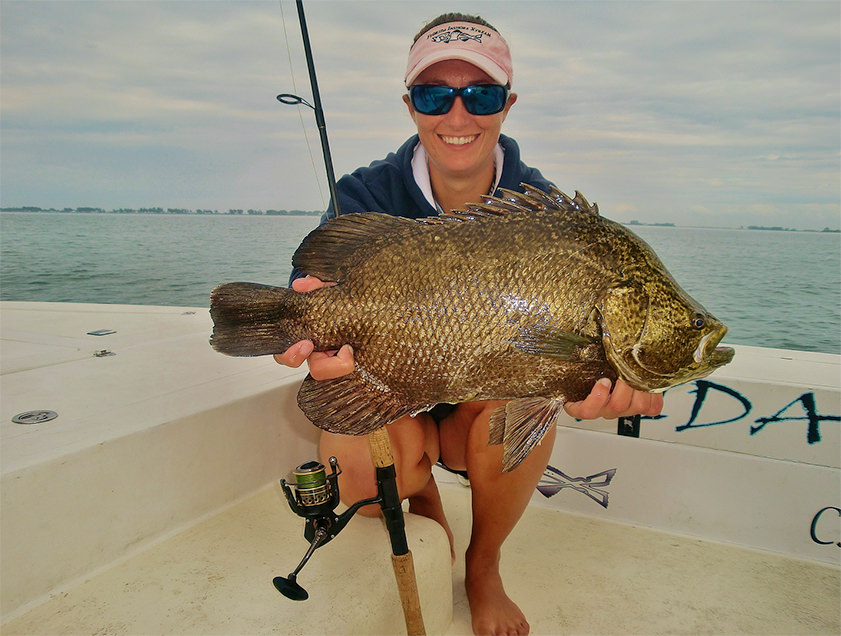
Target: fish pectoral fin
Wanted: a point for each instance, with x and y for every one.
(544, 340)
(520, 425)
(350, 404)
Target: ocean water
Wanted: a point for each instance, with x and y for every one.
(772, 289)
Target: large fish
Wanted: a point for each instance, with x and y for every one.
(530, 298)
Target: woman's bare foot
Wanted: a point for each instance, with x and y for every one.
(491, 610)
(427, 503)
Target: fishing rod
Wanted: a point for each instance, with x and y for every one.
(316, 495)
(288, 98)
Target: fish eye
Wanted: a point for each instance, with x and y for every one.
(698, 321)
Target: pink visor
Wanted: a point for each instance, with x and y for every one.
(479, 45)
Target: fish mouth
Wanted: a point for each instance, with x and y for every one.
(706, 358)
(721, 356)
(709, 353)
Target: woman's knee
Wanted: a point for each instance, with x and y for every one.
(414, 444)
(357, 479)
(460, 430)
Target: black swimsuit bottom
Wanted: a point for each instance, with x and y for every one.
(438, 413)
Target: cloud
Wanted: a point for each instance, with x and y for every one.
(691, 112)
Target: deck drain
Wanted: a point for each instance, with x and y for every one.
(34, 417)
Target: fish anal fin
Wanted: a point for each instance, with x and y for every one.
(526, 422)
(497, 426)
(350, 404)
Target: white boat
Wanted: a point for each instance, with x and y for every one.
(150, 503)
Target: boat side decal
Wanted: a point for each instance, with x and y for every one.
(594, 486)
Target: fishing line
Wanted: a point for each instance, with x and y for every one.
(300, 115)
(378, 442)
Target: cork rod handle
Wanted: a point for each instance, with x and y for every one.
(401, 558)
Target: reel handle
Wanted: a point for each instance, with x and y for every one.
(289, 586)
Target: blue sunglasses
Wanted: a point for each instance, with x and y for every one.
(480, 99)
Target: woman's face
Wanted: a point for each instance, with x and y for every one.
(457, 143)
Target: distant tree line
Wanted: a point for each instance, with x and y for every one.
(232, 211)
(636, 222)
(252, 212)
(779, 228)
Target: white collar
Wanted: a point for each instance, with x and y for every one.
(420, 171)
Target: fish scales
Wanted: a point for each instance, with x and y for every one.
(450, 320)
(529, 297)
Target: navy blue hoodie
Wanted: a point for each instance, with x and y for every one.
(388, 185)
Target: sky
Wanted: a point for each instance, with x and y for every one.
(696, 113)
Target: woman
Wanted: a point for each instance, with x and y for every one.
(458, 78)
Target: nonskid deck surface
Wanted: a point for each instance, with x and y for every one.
(117, 510)
(570, 574)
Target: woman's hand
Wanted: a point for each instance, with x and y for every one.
(623, 401)
(324, 365)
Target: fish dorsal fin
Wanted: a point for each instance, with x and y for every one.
(337, 245)
(471, 212)
(483, 209)
(340, 244)
(533, 199)
(350, 404)
(499, 205)
(518, 200)
(520, 425)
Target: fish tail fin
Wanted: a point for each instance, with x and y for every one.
(255, 320)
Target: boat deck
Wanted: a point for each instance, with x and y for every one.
(151, 505)
(570, 574)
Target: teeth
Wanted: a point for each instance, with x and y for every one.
(459, 141)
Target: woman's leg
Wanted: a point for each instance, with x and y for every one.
(414, 444)
(499, 500)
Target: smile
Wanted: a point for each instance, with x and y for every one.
(459, 141)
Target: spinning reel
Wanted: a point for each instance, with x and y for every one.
(315, 497)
